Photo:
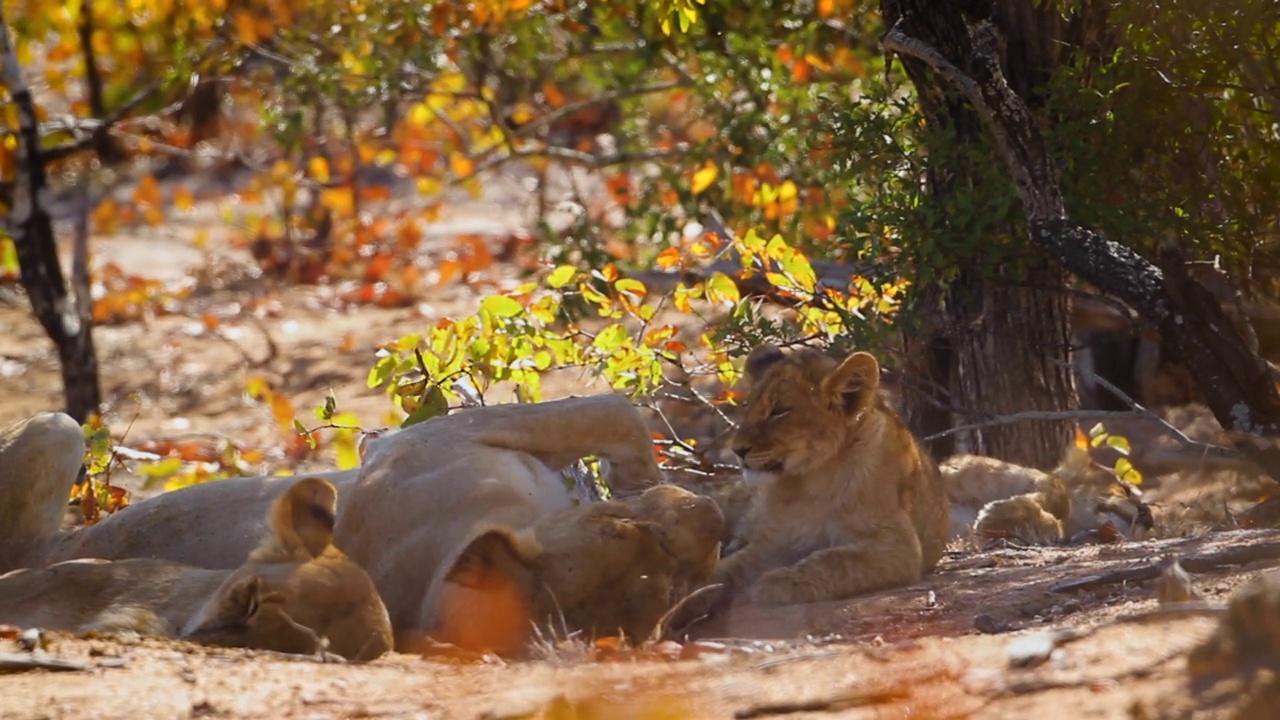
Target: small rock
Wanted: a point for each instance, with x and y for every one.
(31, 640)
(987, 624)
(1031, 650)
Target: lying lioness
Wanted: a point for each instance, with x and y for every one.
(462, 511)
(294, 590)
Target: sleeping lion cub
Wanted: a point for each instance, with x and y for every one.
(1078, 500)
(848, 500)
(295, 589)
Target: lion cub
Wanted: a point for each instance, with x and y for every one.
(848, 501)
(1002, 500)
(293, 590)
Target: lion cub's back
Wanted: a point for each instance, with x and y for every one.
(924, 493)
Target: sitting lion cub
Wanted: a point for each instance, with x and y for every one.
(295, 589)
(849, 502)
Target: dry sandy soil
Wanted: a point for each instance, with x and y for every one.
(994, 634)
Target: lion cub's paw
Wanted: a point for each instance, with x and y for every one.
(783, 586)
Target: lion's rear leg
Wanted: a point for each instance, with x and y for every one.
(560, 432)
(886, 558)
(40, 458)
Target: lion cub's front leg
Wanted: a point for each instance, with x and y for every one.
(889, 557)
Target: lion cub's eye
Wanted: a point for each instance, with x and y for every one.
(779, 412)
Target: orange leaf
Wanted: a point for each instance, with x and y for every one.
(183, 199)
(246, 27)
(461, 165)
(377, 268)
(148, 191)
(826, 8)
(375, 193)
(449, 271)
(668, 258)
(1082, 440)
(282, 411)
(554, 97)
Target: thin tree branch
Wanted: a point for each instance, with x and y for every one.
(1207, 449)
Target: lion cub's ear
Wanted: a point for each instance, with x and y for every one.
(761, 359)
(302, 518)
(852, 386)
(499, 554)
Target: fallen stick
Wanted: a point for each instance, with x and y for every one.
(1197, 563)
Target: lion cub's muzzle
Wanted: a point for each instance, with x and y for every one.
(757, 461)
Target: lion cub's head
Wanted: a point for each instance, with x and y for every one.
(601, 569)
(804, 408)
(297, 588)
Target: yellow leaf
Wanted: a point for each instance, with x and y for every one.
(631, 286)
(561, 276)
(428, 186)
(339, 200)
(319, 169)
(703, 178)
(420, 114)
(721, 289)
(501, 306)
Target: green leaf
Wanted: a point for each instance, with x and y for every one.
(433, 404)
(325, 412)
(381, 372)
(302, 429)
(720, 288)
(160, 469)
(1127, 472)
(561, 276)
(611, 338)
(1118, 443)
(501, 306)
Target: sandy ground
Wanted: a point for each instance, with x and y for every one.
(998, 639)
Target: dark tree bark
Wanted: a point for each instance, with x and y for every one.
(1008, 337)
(67, 322)
(103, 144)
(1235, 381)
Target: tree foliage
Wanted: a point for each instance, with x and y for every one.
(753, 150)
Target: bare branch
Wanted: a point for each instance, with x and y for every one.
(1018, 417)
(1208, 449)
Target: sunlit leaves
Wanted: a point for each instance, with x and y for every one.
(721, 290)
(680, 14)
(1123, 468)
(501, 306)
(703, 178)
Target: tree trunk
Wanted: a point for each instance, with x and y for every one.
(1011, 354)
(1009, 337)
(1236, 382)
(65, 321)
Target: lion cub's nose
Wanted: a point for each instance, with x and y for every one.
(741, 451)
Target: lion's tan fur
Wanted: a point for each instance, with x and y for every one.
(294, 589)
(455, 505)
(1000, 500)
(848, 501)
